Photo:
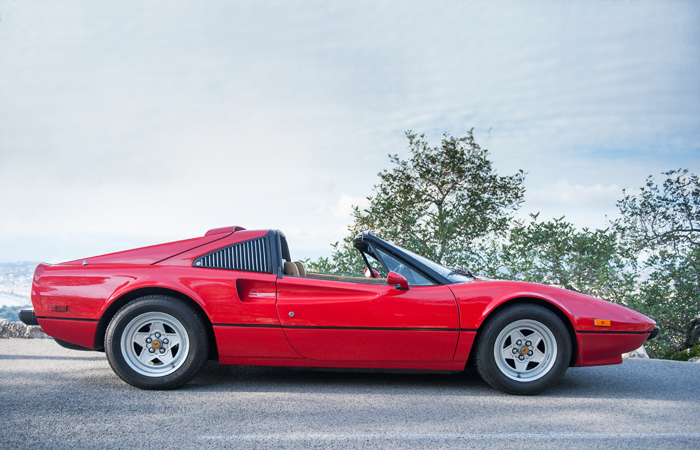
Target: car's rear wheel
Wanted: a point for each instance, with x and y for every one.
(523, 349)
(156, 342)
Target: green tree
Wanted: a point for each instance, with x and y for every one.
(439, 202)
(666, 217)
(671, 296)
(661, 224)
(556, 253)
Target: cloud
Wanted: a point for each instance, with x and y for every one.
(343, 207)
(564, 194)
(146, 123)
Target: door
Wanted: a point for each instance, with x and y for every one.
(349, 321)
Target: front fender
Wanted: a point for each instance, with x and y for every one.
(479, 298)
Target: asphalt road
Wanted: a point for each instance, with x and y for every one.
(56, 398)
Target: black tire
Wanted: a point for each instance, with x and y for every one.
(506, 361)
(178, 348)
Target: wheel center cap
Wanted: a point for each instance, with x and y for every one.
(156, 344)
(524, 350)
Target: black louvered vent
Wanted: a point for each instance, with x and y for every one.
(250, 256)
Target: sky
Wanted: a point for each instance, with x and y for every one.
(124, 124)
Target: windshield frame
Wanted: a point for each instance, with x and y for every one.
(447, 272)
(436, 272)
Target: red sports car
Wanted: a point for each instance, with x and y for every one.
(235, 295)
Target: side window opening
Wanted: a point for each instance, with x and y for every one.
(380, 262)
(297, 269)
(390, 263)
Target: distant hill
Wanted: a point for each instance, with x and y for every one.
(16, 283)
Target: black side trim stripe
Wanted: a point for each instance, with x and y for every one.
(68, 318)
(612, 332)
(251, 325)
(369, 328)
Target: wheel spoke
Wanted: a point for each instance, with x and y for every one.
(514, 336)
(140, 338)
(520, 366)
(157, 327)
(537, 356)
(173, 340)
(166, 358)
(146, 356)
(535, 338)
(536, 344)
(507, 353)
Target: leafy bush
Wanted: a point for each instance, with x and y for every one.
(683, 355)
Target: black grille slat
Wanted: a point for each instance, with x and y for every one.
(258, 261)
(249, 256)
(261, 254)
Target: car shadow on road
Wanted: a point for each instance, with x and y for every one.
(633, 379)
(216, 377)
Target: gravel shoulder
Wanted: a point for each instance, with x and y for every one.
(57, 398)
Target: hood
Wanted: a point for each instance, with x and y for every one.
(479, 297)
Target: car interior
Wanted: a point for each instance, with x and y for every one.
(297, 269)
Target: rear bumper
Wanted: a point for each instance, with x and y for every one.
(75, 332)
(27, 317)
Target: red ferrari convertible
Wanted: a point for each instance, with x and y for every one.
(235, 295)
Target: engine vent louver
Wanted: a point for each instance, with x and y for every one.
(249, 256)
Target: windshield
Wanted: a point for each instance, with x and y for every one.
(448, 272)
(392, 264)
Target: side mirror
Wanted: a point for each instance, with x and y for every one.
(398, 280)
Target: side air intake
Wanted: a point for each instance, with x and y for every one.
(248, 256)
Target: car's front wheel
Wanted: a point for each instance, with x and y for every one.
(156, 342)
(524, 349)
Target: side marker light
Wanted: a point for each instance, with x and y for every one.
(602, 323)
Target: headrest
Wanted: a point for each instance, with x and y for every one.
(290, 269)
(300, 268)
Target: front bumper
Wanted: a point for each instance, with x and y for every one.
(653, 333)
(27, 317)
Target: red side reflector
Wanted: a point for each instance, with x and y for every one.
(602, 323)
(58, 308)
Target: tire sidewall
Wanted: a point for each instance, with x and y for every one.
(198, 348)
(486, 363)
